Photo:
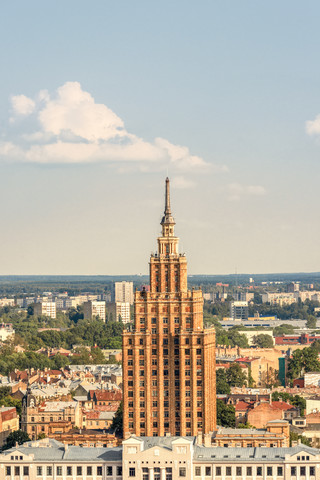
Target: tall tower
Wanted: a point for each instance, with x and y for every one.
(169, 358)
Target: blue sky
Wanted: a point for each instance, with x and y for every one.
(99, 100)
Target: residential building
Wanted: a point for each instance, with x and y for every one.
(94, 309)
(279, 298)
(123, 292)
(119, 312)
(251, 334)
(48, 417)
(239, 310)
(276, 434)
(7, 302)
(47, 309)
(6, 331)
(168, 358)
(9, 422)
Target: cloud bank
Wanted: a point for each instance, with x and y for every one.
(68, 126)
(313, 126)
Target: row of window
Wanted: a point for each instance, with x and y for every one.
(154, 351)
(154, 361)
(154, 393)
(154, 373)
(166, 425)
(70, 470)
(250, 471)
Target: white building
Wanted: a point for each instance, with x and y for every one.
(279, 298)
(94, 308)
(6, 302)
(120, 311)
(6, 331)
(47, 309)
(123, 292)
(239, 310)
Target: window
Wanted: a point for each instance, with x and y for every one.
(228, 471)
(302, 471)
(141, 351)
(249, 471)
(69, 471)
(109, 470)
(312, 471)
(141, 363)
(89, 471)
(259, 471)
(182, 472)
(293, 471)
(119, 471)
(130, 352)
(49, 471)
(79, 471)
(130, 383)
(99, 471)
(39, 471)
(218, 471)
(17, 471)
(198, 471)
(154, 351)
(208, 471)
(132, 472)
(165, 351)
(130, 394)
(8, 471)
(239, 471)
(269, 471)
(59, 471)
(130, 373)
(279, 472)
(198, 351)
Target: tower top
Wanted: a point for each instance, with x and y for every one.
(167, 218)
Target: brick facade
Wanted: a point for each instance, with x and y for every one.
(169, 358)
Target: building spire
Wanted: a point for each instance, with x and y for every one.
(167, 208)
(167, 219)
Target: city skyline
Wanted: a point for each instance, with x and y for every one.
(98, 105)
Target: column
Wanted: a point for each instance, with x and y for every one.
(163, 473)
(151, 473)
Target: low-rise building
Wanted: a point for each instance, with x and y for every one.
(158, 458)
(9, 422)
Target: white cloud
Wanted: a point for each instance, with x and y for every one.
(22, 105)
(236, 191)
(313, 126)
(182, 182)
(68, 126)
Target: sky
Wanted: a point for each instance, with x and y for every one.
(100, 101)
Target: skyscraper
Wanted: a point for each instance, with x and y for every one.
(168, 358)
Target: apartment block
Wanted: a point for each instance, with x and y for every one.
(94, 309)
(47, 309)
(123, 292)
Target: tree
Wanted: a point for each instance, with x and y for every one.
(263, 340)
(226, 414)
(302, 361)
(222, 386)
(18, 436)
(295, 437)
(283, 329)
(235, 376)
(311, 321)
(117, 422)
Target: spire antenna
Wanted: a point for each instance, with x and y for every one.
(167, 209)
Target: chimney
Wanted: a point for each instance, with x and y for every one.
(207, 440)
(199, 439)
